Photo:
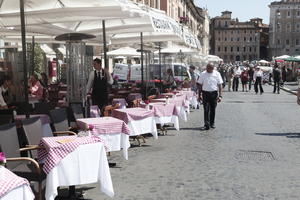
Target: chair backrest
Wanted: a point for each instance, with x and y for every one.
(59, 119)
(33, 130)
(9, 143)
(77, 110)
(95, 111)
(108, 109)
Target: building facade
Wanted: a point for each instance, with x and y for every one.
(186, 13)
(233, 41)
(284, 28)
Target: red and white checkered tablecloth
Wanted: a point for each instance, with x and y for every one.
(162, 109)
(132, 114)
(54, 151)
(104, 125)
(10, 181)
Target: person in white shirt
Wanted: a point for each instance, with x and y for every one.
(236, 75)
(210, 92)
(257, 78)
(97, 85)
(5, 83)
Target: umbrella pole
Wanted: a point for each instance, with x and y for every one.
(104, 44)
(142, 60)
(23, 32)
(32, 55)
(159, 65)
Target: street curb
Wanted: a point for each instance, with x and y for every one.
(287, 90)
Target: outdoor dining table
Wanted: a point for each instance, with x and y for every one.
(72, 160)
(114, 132)
(179, 101)
(164, 113)
(45, 120)
(139, 120)
(191, 97)
(121, 101)
(13, 187)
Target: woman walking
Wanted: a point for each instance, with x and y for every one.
(245, 79)
(257, 77)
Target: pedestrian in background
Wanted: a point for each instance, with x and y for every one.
(250, 73)
(236, 76)
(244, 79)
(276, 78)
(283, 74)
(257, 77)
(229, 75)
(210, 92)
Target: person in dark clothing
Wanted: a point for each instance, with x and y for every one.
(276, 78)
(98, 83)
(284, 73)
(250, 73)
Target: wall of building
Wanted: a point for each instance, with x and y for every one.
(284, 28)
(237, 41)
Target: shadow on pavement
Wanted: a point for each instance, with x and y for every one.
(194, 129)
(288, 135)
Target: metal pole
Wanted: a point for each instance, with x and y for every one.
(142, 58)
(23, 31)
(32, 55)
(181, 68)
(104, 44)
(159, 65)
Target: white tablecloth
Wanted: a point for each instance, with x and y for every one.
(182, 112)
(168, 120)
(22, 192)
(87, 164)
(116, 141)
(147, 125)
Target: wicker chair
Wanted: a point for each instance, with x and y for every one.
(22, 166)
(108, 109)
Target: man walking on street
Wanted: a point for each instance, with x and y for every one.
(276, 78)
(210, 92)
(236, 76)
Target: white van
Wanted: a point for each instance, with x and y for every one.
(121, 71)
(180, 71)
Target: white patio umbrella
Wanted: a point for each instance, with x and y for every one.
(124, 51)
(282, 57)
(263, 62)
(177, 49)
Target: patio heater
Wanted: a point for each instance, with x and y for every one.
(77, 65)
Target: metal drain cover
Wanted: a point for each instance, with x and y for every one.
(248, 155)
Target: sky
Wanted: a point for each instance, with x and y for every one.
(242, 9)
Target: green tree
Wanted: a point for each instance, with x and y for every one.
(38, 58)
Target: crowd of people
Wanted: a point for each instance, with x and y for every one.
(250, 74)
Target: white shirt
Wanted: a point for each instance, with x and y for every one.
(258, 73)
(2, 102)
(210, 81)
(91, 80)
(237, 72)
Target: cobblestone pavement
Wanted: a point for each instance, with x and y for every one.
(253, 154)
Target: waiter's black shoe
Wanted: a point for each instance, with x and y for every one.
(212, 126)
(206, 127)
(112, 164)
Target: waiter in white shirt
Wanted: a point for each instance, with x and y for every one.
(98, 83)
(210, 92)
(257, 78)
